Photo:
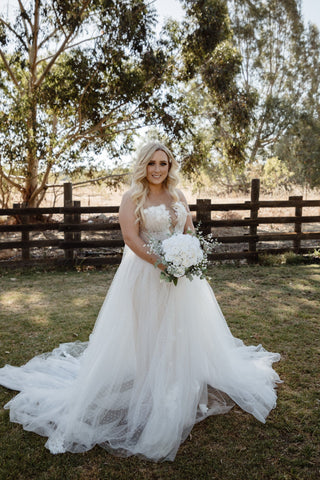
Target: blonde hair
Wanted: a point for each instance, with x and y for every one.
(140, 185)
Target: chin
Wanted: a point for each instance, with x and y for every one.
(156, 181)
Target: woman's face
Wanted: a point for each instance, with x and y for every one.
(158, 168)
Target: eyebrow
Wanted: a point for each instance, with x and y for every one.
(161, 161)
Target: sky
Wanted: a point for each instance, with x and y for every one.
(172, 8)
(311, 11)
(169, 8)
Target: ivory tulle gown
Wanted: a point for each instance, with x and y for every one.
(160, 358)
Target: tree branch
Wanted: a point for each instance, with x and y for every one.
(81, 98)
(60, 50)
(43, 183)
(92, 180)
(11, 182)
(87, 136)
(34, 47)
(9, 70)
(84, 41)
(58, 19)
(101, 122)
(15, 33)
(66, 48)
(24, 14)
(52, 62)
(48, 38)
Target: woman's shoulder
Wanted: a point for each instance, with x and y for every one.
(127, 196)
(127, 201)
(182, 200)
(181, 196)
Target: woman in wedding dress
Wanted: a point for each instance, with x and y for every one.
(160, 358)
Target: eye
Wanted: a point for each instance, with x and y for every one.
(164, 164)
(151, 163)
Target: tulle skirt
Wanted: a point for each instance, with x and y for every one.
(160, 358)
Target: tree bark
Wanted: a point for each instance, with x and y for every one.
(31, 181)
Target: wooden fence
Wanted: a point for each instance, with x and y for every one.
(76, 250)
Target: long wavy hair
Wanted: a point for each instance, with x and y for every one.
(140, 185)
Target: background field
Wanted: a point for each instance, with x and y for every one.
(277, 306)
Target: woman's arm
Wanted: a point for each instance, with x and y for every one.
(189, 224)
(130, 230)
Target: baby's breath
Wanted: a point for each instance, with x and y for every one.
(183, 255)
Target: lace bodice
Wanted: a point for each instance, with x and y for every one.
(160, 223)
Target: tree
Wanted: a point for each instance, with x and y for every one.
(270, 38)
(204, 91)
(262, 81)
(299, 148)
(76, 77)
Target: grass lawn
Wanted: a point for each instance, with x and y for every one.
(277, 306)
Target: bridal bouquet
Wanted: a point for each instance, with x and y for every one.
(182, 255)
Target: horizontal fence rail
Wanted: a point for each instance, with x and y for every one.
(65, 236)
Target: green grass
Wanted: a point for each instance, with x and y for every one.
(277, 306)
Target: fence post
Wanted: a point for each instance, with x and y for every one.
(204, 215)
(17, 205)
(297, 224)
(255, 193)
(67, 218)
(25, 251)
(77, 220)
(25, 235)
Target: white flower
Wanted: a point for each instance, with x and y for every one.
(179, 272)
(182, 250)
(157, 216)
(182, 255)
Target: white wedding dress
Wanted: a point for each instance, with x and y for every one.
(160, 358)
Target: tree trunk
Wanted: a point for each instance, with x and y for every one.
(32, 169)
(31, 181)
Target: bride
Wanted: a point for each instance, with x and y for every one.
(160, 358)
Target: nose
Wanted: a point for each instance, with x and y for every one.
(157, 168)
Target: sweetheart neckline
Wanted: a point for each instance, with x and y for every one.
(172, 213)
(167, 208)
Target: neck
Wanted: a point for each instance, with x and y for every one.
(156, 189)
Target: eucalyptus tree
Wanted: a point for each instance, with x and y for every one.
(251, 84)
(299, 148)
(81, 76)
(270, 36)
(210, 64)
(77, 77)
